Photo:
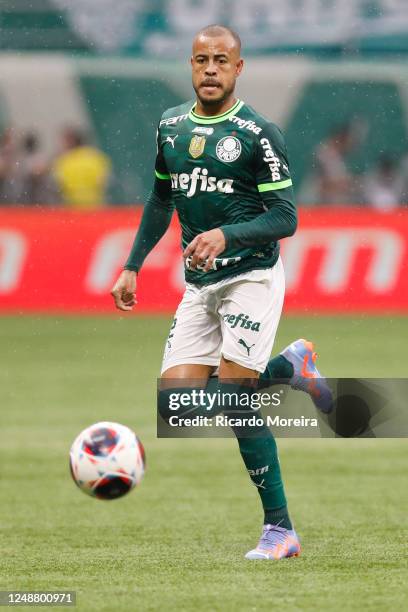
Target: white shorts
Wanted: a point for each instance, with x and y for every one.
(236, 318)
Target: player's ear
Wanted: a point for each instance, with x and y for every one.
(191, 60)
(240, 65)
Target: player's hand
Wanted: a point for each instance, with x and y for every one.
(205, 248)
(124, 290)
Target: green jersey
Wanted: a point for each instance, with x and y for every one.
(226, 172)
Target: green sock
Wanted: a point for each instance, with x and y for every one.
(260, 454)
(278, 516)
(261, 460)
(278, 368)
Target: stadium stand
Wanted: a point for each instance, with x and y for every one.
(358, 71)
(36, 26)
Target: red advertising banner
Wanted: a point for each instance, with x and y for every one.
(340, 260)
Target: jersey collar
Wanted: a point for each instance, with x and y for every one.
(215, 118)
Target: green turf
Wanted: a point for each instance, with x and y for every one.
(178, 541)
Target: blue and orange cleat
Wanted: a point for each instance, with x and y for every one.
(306, 376)
(276, 543)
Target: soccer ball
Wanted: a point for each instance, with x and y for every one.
(107, 460)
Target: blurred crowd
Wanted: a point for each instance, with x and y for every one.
(333, 179)
(79, 174)
(76, 176)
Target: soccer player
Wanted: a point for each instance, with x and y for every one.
(224, 167)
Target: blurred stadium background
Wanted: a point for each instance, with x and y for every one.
(83, 84)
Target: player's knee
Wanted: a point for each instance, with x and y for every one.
(177, 401)
(165, 404)
(181, 402)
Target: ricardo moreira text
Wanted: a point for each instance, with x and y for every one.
(224, 420)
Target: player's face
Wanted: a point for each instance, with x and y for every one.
(216, 64)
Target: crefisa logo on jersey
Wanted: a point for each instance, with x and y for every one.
(199, 180)
(228, 149)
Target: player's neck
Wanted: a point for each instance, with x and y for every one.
(211, 110)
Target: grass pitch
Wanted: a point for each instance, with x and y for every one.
(178, 542)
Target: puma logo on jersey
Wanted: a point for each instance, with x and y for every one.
(199, 180)
(171, 139)
(244, 344)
